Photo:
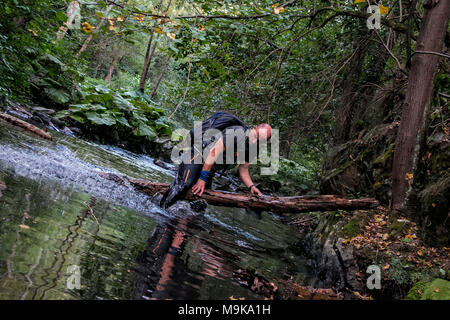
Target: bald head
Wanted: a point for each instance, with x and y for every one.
(260, 132)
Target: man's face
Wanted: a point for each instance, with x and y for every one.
(259, 134)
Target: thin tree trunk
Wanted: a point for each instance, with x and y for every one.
(91, 36)
(418, 97)
(147, 61)
(344, 112)
(161, 75)
(112, 67)
(149, 53)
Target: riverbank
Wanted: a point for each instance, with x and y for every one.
(342, 245)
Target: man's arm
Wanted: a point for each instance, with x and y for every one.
(245, 177)
(213, 155)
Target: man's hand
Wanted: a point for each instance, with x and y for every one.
(199, 187)
(255, 191)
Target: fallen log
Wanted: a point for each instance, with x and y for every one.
(25, 125)
(265, 203)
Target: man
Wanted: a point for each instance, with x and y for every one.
(208, 153)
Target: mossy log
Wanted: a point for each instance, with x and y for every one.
(25, 125)
(265, 203)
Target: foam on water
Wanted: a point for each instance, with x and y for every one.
(60, 164)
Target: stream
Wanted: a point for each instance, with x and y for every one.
(68, 233)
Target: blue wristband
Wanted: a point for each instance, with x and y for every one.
(205, 175)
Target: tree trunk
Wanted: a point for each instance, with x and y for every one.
(351, 84)
(417, 100)
(150, 52)
(147, 61)
(112, 67)
(161, 75)
(25, 125)
(266, 203)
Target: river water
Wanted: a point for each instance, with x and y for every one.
(68, 233)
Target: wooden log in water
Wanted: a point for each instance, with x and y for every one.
(25, 125)
(266, 203)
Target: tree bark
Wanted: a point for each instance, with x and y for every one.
(147, 61)
(266, 203)
(418, 97)
(112, 67)
(150, 52)
(161, 75)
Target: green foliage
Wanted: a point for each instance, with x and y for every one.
(59, 82)
(352, 228)
(292, 178)
(101, 106)
(399, 271)
(416, 292)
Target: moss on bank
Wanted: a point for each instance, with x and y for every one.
(438, 289)
(372, 237)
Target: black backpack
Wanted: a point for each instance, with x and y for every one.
(219, 121)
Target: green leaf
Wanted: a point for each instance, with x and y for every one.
(123, 121)
(104, 118)
(58, 95)
(101, 88)
(61, 16)
(78, 118)
(123, 103)
(62, 114)
(145, 131)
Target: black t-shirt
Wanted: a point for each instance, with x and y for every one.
(239, 150)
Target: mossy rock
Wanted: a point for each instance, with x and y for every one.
(439, 289)
(352, 228)
(416, 292)
(397, 228)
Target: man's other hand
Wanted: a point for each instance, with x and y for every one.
(255, 191)
(199, 187)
